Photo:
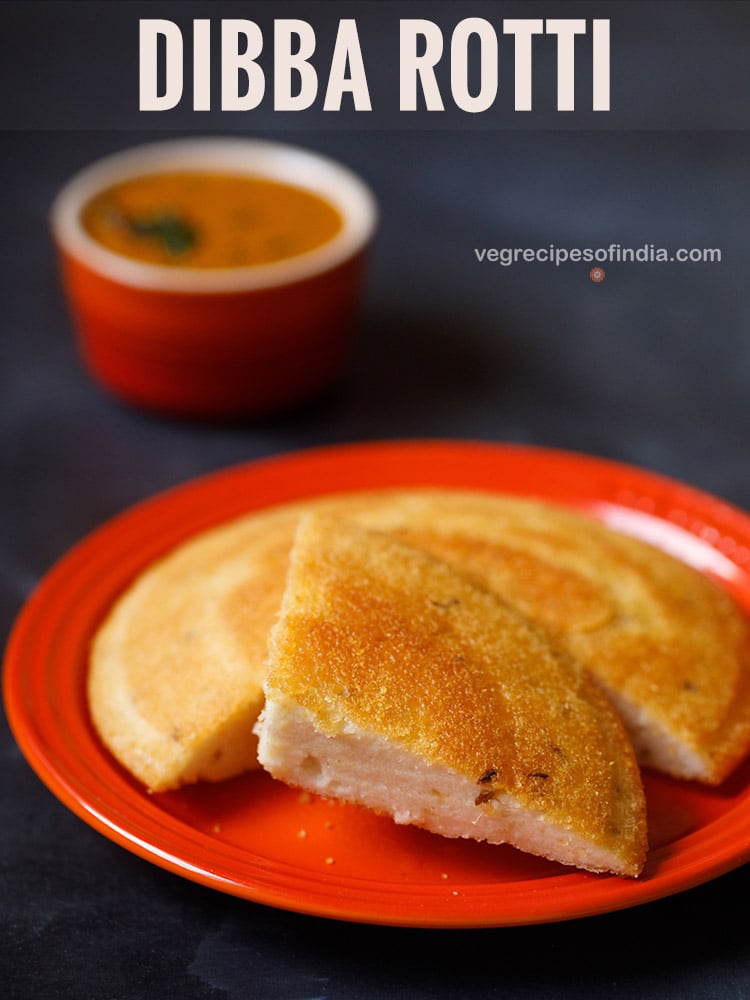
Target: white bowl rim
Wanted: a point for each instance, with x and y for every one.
(236, 154)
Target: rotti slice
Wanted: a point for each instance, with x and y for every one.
(670, 647)
(177, 667)
(395, 683)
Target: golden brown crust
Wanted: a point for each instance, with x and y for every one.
(183, 650)
(660, 636)
(382, 636)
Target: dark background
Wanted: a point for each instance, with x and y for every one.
(650, 366)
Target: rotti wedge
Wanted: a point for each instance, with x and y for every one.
(397, 684)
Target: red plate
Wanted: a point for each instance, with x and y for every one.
(255, 838)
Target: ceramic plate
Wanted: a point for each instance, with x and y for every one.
(255, 838)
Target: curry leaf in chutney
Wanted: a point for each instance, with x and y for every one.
(176, 235)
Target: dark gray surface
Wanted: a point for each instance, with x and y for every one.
(651, 367)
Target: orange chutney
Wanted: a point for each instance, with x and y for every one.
(209, 220)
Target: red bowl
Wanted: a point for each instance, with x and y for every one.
(219, 342)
